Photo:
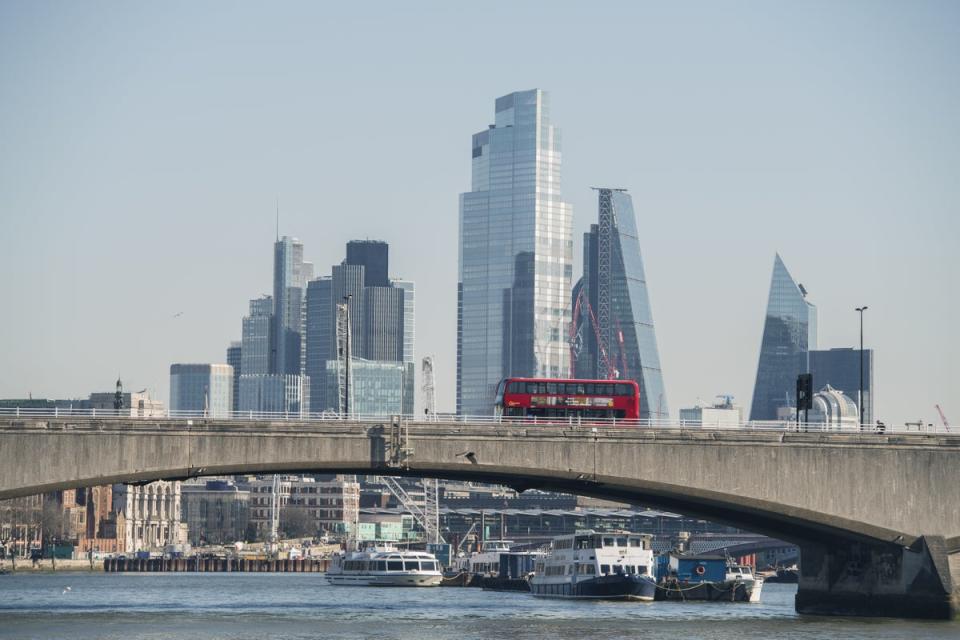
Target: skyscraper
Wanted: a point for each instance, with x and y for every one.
(515, 254)
(840, 368)
(614, 335)
(257, 337)
(789, 333)
(374, 257)
(235, 360)
(289, 281)
(320, 342)
(204, 388)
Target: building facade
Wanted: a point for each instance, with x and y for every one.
(379, 388)
(275, 393)
(256, 345)
(789, 334)
(235, 360)
(137, 404)
(215, 511)
(151, 515)
(203, 388)
(290, 277)
(840, 369)
(328, 506)
(613, 331)
(515, 254)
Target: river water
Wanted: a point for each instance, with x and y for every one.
(302, 606)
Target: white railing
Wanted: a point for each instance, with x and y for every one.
(782, 426)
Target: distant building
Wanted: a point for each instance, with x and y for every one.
(515, 254)
(381, 330)
(151, 515)
(612, 303)
(21, 525)
(136, 404)
(235, 360)
(789, 333)
(840, 368)
(290, 276)
(203, 388)
(832, 409)
(215, 511)
(274, 393)
(256, 346)
(720, 415)
(328, 506)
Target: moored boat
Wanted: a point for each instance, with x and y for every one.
(706, 577)
(382, 565)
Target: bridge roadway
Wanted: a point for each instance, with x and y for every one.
(877, 517)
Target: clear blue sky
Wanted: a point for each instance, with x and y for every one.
(143, 146)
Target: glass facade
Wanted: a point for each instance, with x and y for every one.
(789, 333)
(840, 368)
(235, 360)
(290, 275)
(255, 348)
(515, 254)
(202, 387)
(319, 330)
(275, 393)
(612, 304)
(374, 256)
(379, 388)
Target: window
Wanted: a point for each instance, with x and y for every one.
(411, 565)
(395, 565)
(621, 542)
(428, 566)
(604, 569)
(551, 387)
(608, 542)
(516, 387)
(531, 387)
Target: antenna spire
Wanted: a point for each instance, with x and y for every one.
(278, 218)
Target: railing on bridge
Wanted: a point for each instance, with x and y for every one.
(576, 422)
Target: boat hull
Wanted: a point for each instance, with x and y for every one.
(372, 580)
(728, 591)
(602, 588)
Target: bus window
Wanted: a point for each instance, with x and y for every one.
(541, 387)
(516, 387)
(531, 387)
(591, 389)
(551, 387)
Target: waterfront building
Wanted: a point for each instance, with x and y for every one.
(840, 368)
(789, 333)
(151, 515)
(235, 360)
(203, 388)
(137, 404)
(215, 511)
(323, 506)
(275, 393)
(717, 416)
(612, 304)
(256, 344)
(515, 254)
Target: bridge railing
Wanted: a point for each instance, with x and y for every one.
(450, 418)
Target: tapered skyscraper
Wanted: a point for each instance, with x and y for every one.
(613, 334)
(789, 333)
(515, 254)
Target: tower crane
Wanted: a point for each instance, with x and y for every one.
(943, 418)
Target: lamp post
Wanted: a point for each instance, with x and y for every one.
(860, 310)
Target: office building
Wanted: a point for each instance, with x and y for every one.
(840, 368)
(151, 515)
(290, 276)
(202, 388)
(317, 506)
(374, 257)
(137, 404)
(515, 254)
(613, 329)
(717, 416)
(235, 360)
(320, 339)
(789, 333)
(257, 339)
(379, 388)
(215, 511)
(286, 395)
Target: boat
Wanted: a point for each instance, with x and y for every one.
(486, 562)
(381, 564)
(706, 577)
(591, 565)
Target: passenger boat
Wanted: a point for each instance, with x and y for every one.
(383, 565)
(486, 562)
(591, 565)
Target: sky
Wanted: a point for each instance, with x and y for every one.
(145, 147)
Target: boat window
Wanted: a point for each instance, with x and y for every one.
(641, 570)
(395, 565)
(604, 569)
(618, 569)
(411, 565)
(636, 542)
(631, 569)
(428, 566)
(621, 542)
(591, 569)
(608, 542)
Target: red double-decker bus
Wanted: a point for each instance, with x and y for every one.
(563, 399)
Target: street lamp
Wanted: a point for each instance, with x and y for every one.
(860, 310)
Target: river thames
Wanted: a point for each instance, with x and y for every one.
(302, 606)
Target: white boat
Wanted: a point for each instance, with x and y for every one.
(591, 565)
(486, 562)
(383, 565)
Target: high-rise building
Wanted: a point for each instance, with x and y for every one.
(275, 393)
(289, 282)
(206, 388)
(840, 369)
(614, 336)
(379, 388)
(789, 333)
(374, 257)
(515, 254)
(256, 344)
(381, 327)
(235, 360)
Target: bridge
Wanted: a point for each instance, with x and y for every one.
(875, 514)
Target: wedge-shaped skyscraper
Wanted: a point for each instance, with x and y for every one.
(613, 335)
(789, 333)
(515, 255)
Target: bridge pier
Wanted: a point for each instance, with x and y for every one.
(877, 579)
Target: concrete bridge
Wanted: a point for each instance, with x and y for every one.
(877, 517)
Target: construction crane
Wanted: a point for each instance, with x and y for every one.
(429, 389)
(344, 360)
(610, 370)
(943, 418)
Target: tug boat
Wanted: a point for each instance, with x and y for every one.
(591, 565)
(380, 564)
(706, 577)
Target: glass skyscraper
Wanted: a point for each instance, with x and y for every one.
(515, 254)
(614, 337)
(789, 334)
(202, 388)
(290, 275)
(257, 337)
(840, 368)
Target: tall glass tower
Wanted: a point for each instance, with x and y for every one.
(789, 334)
(515, 254)
(290, 276)
(613, 334)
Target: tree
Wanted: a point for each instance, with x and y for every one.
(296, 523)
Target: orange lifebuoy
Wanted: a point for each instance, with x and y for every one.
(700, 570)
